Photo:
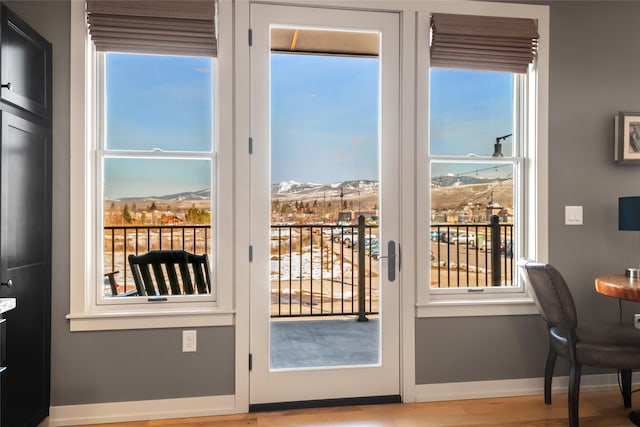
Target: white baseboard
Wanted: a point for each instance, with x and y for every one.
(140, 410)
(506, 388)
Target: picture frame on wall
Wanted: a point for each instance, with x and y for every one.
(627, 137)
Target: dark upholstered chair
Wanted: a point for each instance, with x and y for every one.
(607, 345)
(152, 271)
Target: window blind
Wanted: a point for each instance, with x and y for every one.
(179, 27)
(486, 43)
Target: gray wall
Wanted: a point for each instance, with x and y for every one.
(595, 71)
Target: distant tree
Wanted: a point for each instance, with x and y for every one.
(197, 216)
(143, 218)
(134, 207)
(153, 207)
(113, 205)
(315, 204)
(126, 215)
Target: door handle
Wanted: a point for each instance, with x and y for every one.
(391, 263)
(6, 85)
(8, 283)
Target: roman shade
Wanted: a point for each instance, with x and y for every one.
(179, 27)
(486, 43)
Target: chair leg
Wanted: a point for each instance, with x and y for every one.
(626, 387)
(574, 394)
(548, 375)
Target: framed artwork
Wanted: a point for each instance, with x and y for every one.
(627, 137)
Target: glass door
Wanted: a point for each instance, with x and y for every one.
(324, 182)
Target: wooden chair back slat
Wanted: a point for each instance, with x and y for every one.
(186, 278)
(201, 273)
(158, 274)
(173, 279)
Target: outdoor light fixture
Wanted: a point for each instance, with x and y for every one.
(497, 147)
(629, 220)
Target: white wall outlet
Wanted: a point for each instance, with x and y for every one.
(189, 341)
(636, 320)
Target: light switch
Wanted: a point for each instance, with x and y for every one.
(573, 215)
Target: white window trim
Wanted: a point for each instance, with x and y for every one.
(85, 314)
(534, 226)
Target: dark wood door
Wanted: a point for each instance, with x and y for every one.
(25, 64)
(25, 254)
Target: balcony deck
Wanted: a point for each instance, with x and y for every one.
(324, 342)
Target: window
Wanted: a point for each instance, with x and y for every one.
(483, 181)
(475, 164)
(147, 172)
(155, 152)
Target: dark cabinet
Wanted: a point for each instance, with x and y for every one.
(25, 61)
(25, 221)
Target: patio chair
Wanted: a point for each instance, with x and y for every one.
(606, 345)
(152, 270)
(111, 277)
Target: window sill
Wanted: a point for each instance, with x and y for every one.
(132, 319)
(475, 307)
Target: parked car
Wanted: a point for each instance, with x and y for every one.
(444, 237)
(344, 235)
(506, 248)
(435, 235)
(463, 238)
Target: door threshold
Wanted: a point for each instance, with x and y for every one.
(325, 403)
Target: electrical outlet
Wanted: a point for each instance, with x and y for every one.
(189, 341)
(636, 320)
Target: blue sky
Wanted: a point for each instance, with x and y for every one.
(324, 113)
(167, 95)
(160, 102)
(469, 110)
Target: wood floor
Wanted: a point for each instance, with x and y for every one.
(603, 408)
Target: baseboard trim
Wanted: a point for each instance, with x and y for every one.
(141, 410)
(507, 388)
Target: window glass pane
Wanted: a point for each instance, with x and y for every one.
(155, 101)
(469, 110)
(152, 204)
(472, 224)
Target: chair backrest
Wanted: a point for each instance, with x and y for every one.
(550, 293)
(152, 270)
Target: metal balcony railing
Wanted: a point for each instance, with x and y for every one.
(317, 270)
(473, 255)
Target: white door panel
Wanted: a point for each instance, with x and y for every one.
(268, 385)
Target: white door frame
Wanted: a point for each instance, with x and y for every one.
(267, 386)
